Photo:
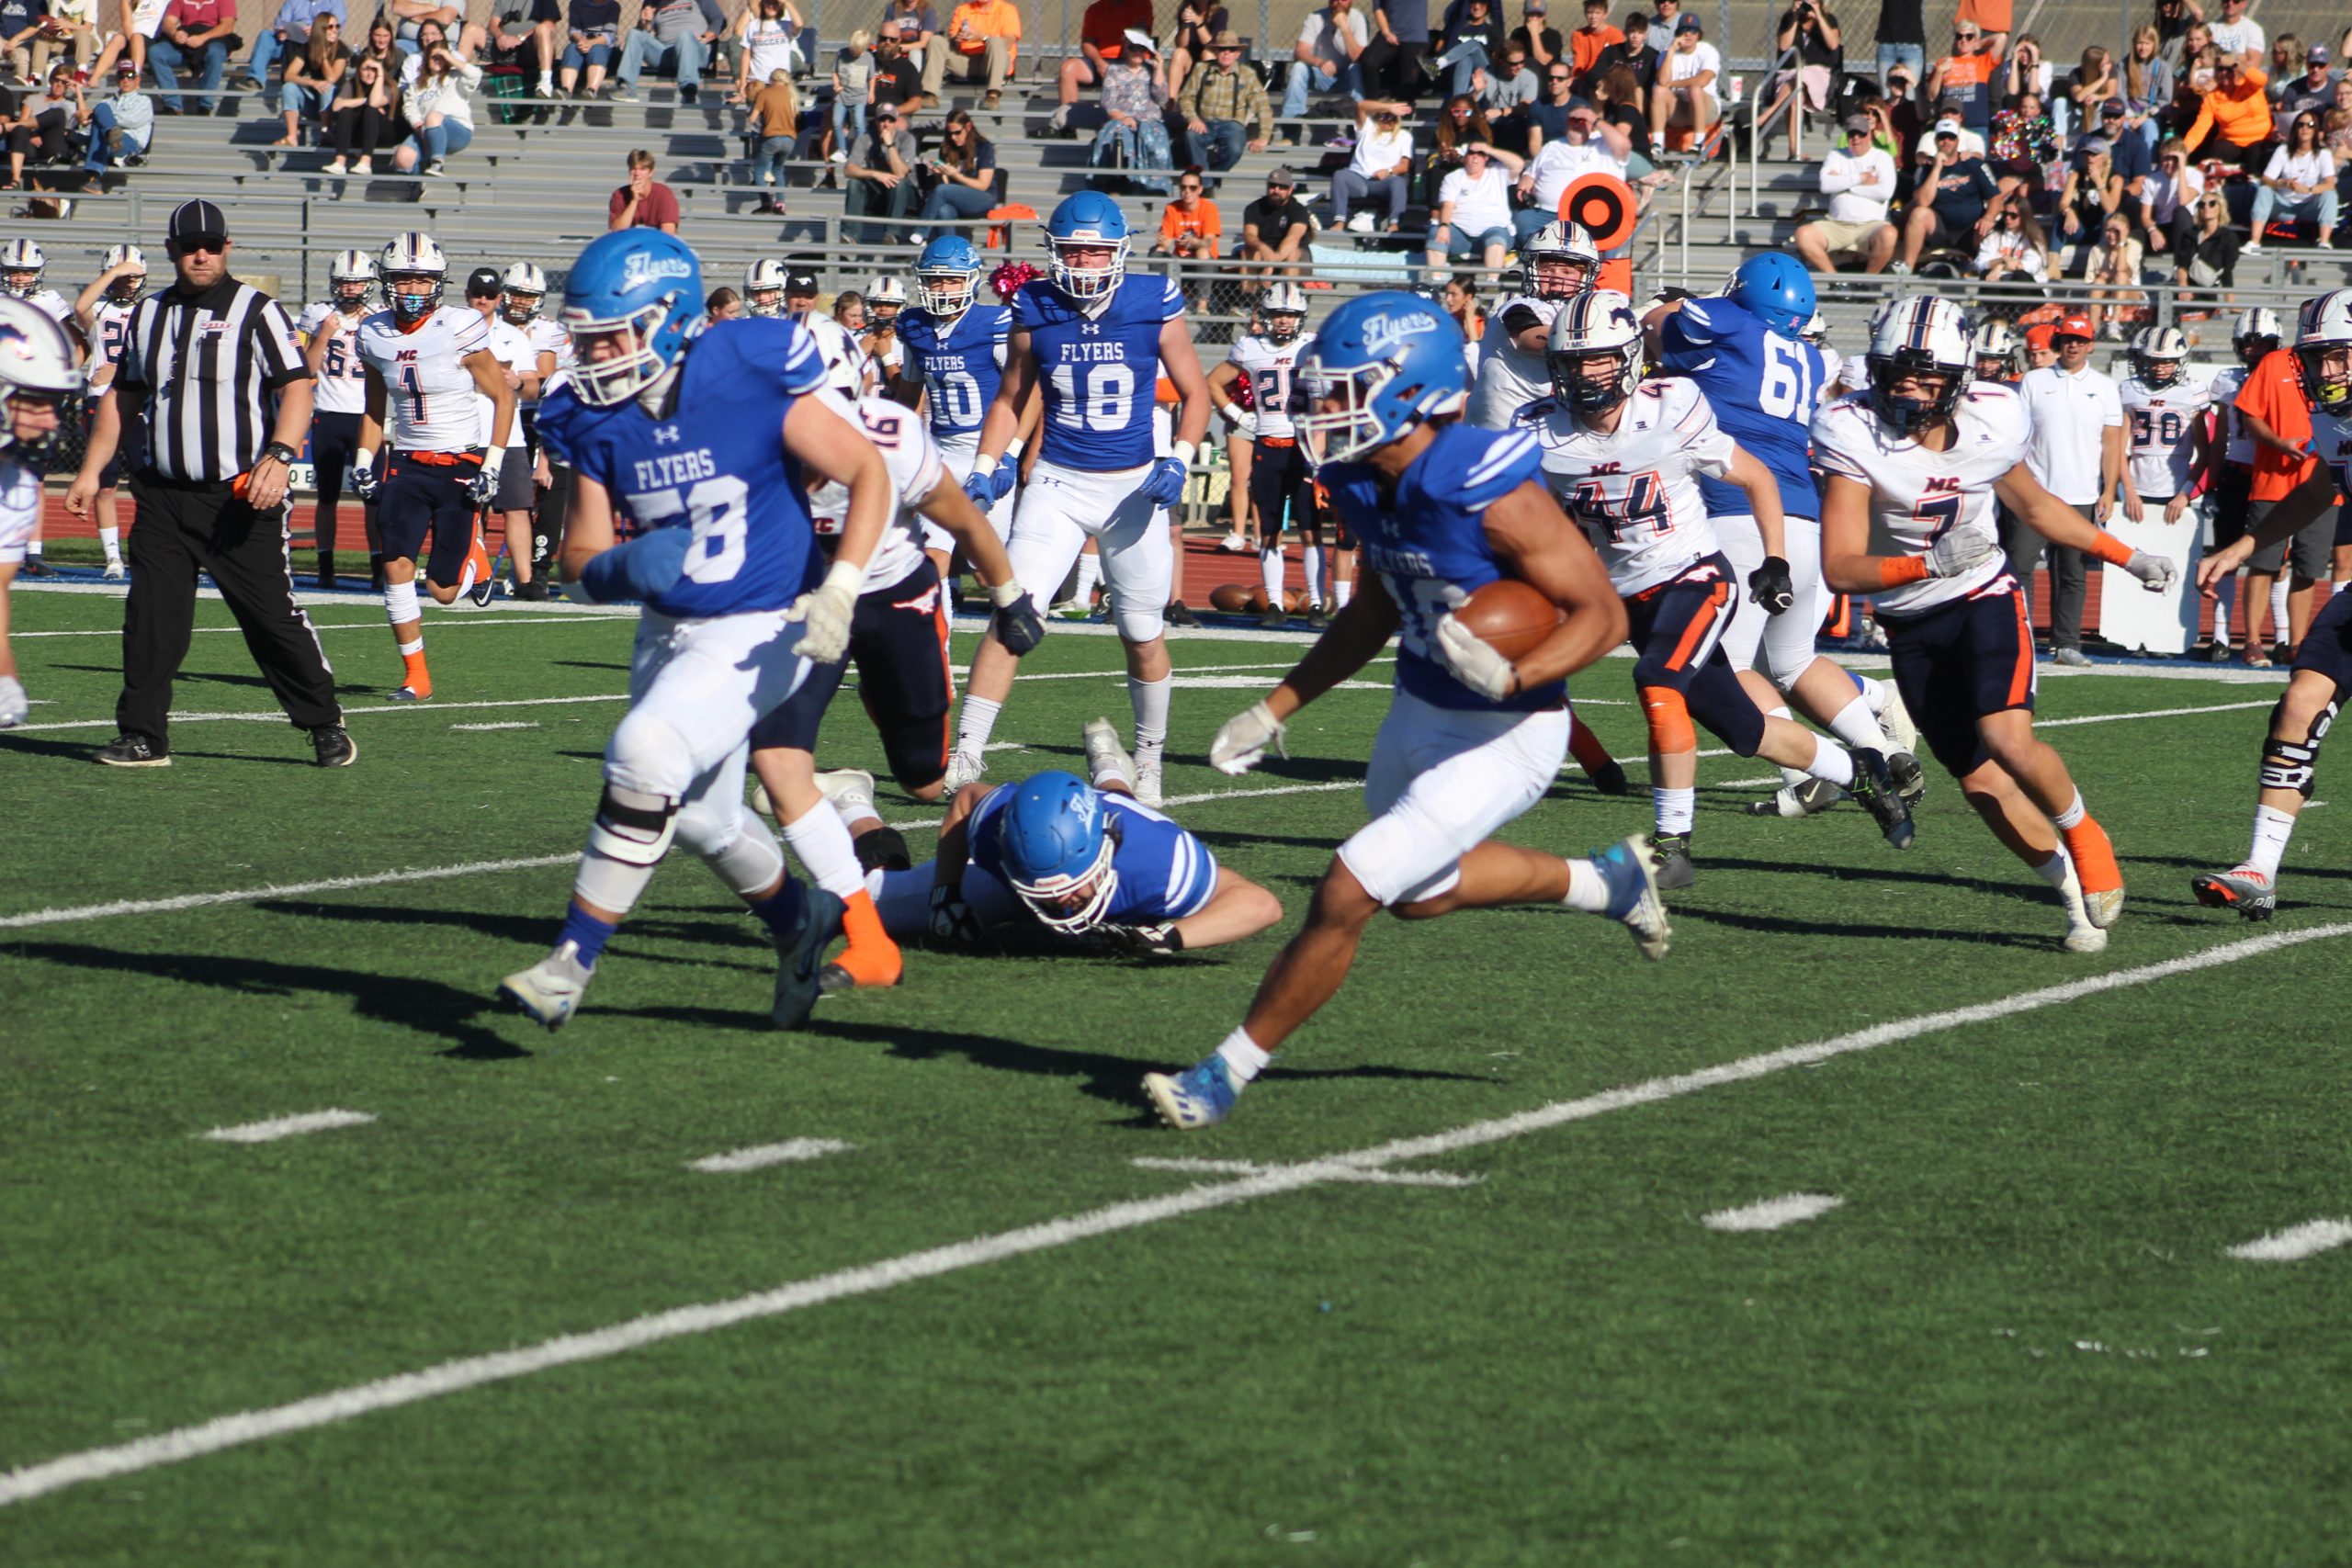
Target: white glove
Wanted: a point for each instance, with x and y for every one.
(1241, 740)
(14, 704)
(1959, 551)
(2156, 573)
(1474, 662)
(824, 614)
(1243, 421)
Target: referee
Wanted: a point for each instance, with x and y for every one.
(220, 373)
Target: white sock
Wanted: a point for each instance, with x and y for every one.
(1090, 572)
(1150, 700)
(2074, 814)
(547, 78)
(1343, 592)
(112, 539)
(1831, 762)
(1857, 724)
(2225, 593)
(1789, 777)
(1315, 573)
(1875, 692)
(1588, 889)
(1269, 573)
(2278, 609)
(32, 550)
(976, 724)
(2272, 828)
(1244, 1060)
(408, 648)
(2059, 872)
(821, 840)
(1674, 809)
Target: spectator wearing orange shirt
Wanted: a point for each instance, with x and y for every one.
(1966, 74)
(1586, 43)
(2234, 119)
(982, 37)
(1102, 35)
(2272, 408)
(1189, 225)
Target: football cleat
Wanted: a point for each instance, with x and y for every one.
(129, 750)
(403, 695)
(800, 955)
(1896, 719)
(2254, 895)
(1611, 780)
(1909, 778)
(1670, 861)
(113, 572)
(1632, 881)
(963, 767)
(1806, 799)
(2084, 937)
(851, 792)
(2105, 908)
(1200, 1096)
(333, 747)
(1148, 783)
(549, 992)
(1105, 758)
(1874, 791)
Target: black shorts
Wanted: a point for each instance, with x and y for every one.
(1676, 629)
(1958, 662)
(2305, 553)
(2327, 645)
(547, 11)
(420, 498)
(515, 491)
(898, 640)
(1281, 482)
(334, 441)
(2231, 488)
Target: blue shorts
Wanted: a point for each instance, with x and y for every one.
(898, 640)
(1959, 662)
(2327, 645)
(420, 498)
(1676, 629)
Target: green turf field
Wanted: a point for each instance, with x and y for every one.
(1420, 1332)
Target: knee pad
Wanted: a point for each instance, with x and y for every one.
(737, 846)
(1138, 625)
(1669, 720)
(400, 603)
(648, 754)
(883, 848)
(2294, 765)
(633, 827)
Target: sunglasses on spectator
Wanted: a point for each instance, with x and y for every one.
(1190, 185)
(1561, 77)
(1964, 37)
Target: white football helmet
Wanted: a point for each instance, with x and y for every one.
(21, 264)
(2257, 334)
(1998, 342)
(2157, 354)
(124, 289)
(885, 291)
(37, 364)
(412, 256)
(1925, 337)
(1281, 312)
(1559, 261)
(353, 277)
(521, 288)
(844, 361)
(1595, 352)
(763, 288)
(2323, 332)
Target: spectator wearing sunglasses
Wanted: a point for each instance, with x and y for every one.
(2234, 120)
(1966, 74)
(2168, 211)
(1547, 117)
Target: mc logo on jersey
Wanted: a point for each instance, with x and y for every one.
(1383, 333)
(638, 268)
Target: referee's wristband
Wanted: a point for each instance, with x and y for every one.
(280, 451)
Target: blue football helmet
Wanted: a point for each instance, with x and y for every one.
(947, 275)
(1776, 289)
(1090, 217)
(1393, 359)
(642, 288)
(1058, 841)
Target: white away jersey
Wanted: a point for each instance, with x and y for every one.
(2225, 388)
(59, 310)
(912, 457)
(430, 398)
(1918, 496)
(20, 498)
(512, 345)
(1269, 367)
(546, 337)
(1634, 491)
(1510, 378)
(109, 327)
(2159, 422)
(342, 380)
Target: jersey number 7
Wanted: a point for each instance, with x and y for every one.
(1937, 513)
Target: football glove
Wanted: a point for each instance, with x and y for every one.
(1769, 585)
(1016, 621)
(1473, 661)
(1241, 740)
(642, 568)
(952, 918)
(825, 611)
(365, 481)
(1959, 551)
(482, 489)
(1162, 940)
(1242, 422)
(2156, 573)
(1165, 484)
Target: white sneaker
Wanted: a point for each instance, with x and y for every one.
(14, 704)
(1105, 758)
(851, 792)
(551, 989)
(335, 167)
(113, 572)
(1360, 222)
(364, 166)
(760, 801)
(963, 767)
(1234, 543)
(838, 157)
(1148, 781)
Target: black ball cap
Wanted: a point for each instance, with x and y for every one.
(801, 283)
(198, 222)
(482, 283)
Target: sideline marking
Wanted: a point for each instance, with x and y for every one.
(475, 1371)
(288, 1127)
(1771, 1213)
(766, 1154)
(2295, 1242)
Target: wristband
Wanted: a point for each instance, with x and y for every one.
(280, 452)
(492, 458)
(2110, 549)
(1893, 571)
(1013, 450)
(1002, 594)
(1182, 452)
(363, 459)
(984, 464)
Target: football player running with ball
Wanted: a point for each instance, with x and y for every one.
(1926, 456)
(2323, 667)
(1472, 738)
(1624, 456)
(1096, 342)
(707, 448)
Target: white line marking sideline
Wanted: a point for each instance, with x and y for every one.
(1771, 1213)
(765, 1154)
(475, 1371)
(288, 1127)
(2295, 1242)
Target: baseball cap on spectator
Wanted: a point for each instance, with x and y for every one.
(1281, 178)
(2038, 336)
(126, 66)
(1858, 124)
(1950, 103)
(2092, 147)
(483, 283)
(1582, 109)
(1947, 128)
(2113, 109)
(2073, 323)
(1142, 42)
(802, 283)
(1690, 25)
(2319, 55)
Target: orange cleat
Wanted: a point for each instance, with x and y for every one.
(871, 960)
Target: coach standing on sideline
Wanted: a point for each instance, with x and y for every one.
(227, 396)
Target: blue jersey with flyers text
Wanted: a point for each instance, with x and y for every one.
(960, 368)
(1763, 387)
(1098, 369)
(1427, 537)
(1165, 874)
(716, 465)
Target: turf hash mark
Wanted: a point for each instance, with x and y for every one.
(791, 1151)
(2295, 1242)
(476, 1371)
(288, 1127)
(1773, 1213)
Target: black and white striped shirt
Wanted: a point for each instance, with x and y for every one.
(205, 371)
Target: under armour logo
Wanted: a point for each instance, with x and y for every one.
(666, 435)
(1089, 329)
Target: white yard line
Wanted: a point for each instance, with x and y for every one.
(472, 618)
(1773, 1213)
(288, 1127)
(475, 1371)
(486, 728)
(1331, 1172)
(2295, 1242)
(274, 716)
(764, 1155)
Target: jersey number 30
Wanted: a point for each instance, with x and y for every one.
(714, 510)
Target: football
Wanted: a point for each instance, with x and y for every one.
(1508, 615)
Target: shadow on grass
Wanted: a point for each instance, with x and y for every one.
(536, 931)
(410, 1001)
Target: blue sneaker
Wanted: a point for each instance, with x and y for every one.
(800, 954)
(1627, 867)
(1200, 1096)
